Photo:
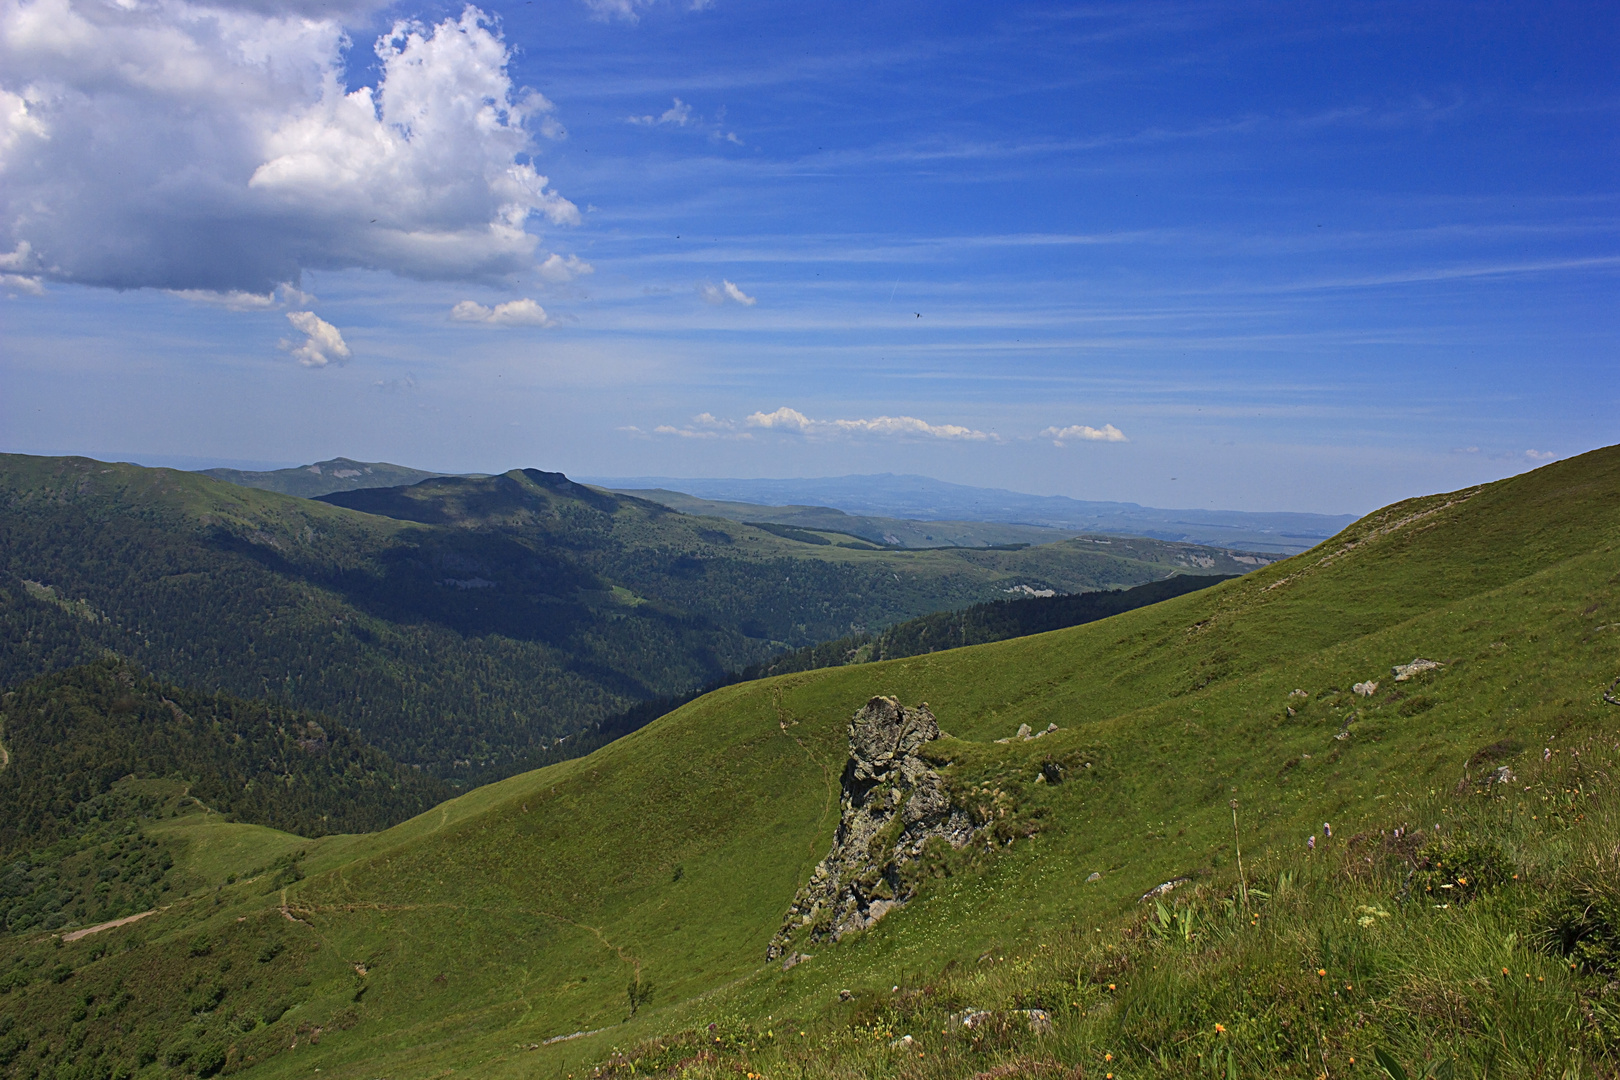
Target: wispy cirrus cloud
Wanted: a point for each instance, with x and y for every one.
(1062, 436)
(703, 426)
(793, 421)
(680, 115)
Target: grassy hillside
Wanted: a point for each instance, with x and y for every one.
(978, 625)
(462, 624)
(650, 876)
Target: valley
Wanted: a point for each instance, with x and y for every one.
(611, 914)
(465, 625)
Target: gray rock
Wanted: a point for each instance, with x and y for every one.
(1160, 890)
(1040, 1021)
(1418, 666)
(893, 804)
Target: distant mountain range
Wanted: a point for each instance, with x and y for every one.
(921, 498)
(466, 624)
(883, 508)
(326, 477)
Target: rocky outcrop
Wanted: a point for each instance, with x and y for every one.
(893, 804)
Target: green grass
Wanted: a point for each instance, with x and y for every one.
(524, 910)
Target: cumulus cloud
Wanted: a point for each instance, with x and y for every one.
(523, 312)
(200, 146)
(724, 292)
(785, 419)
(1540, 455)
(15, 264)
(1083, 433)
(558, 270)
(322, 344)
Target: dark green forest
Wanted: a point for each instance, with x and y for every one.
(92, 752)
(466, 625)
(998, 620)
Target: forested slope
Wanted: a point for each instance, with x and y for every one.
(610, 915)
(462, 624)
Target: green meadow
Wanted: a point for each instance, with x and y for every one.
(630, 895)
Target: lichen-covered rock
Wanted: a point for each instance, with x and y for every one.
(893, 804)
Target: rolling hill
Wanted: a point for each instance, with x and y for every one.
(465, 625)
(1455, 908)
(954, 506)
(324, 477)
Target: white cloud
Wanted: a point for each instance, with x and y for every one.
(558, 270)
(22, 283)
(1083, 433)
(630, 10)
(785, 419)
(1540, 455)
(523, 312)
(322, 345)
(703, 426)
(16, 264)
(719, 294)
(679, 114)
(284, 295)
(685, 433)
(190, 145)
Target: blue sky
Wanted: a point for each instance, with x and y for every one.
(1255, 256)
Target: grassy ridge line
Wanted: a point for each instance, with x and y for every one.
(537, 899)
(998, 620)
(980, 624)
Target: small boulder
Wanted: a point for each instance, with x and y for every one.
(1160, 890)
(1366, 689)
(1418, 666)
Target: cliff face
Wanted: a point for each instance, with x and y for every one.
(893, 804)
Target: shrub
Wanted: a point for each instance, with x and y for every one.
(1580, 917)
(1464, 866)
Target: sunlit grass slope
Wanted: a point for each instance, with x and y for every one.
(523, 911)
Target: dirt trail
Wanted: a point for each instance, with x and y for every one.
(99, 927)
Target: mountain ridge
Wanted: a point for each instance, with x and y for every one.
(609, 914)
